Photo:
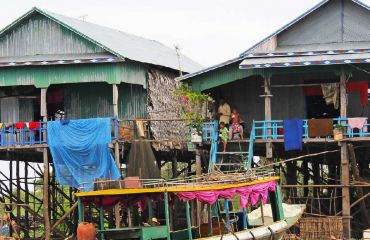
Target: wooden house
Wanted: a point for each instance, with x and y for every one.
(272, 81)
(78, 63)
(51, 63)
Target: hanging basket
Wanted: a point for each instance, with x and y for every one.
(338, 134)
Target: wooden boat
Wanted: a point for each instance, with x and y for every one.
(210, 189)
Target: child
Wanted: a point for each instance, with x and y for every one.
(223, 134)
(236, 128)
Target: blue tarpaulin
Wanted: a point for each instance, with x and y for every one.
(80, 151)
(293, 133)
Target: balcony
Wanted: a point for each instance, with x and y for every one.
(33, 134)
(272, 130)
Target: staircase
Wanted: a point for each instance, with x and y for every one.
(239, 154)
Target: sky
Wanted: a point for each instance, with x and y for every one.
(208, 31)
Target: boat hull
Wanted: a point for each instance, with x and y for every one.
(273, 231)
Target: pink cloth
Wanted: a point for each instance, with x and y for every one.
(253, 192)
(359, 123)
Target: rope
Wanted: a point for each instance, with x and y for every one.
(296, 158)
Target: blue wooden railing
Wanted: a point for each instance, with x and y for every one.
(273, 129)
(210, 134)
(27, 135)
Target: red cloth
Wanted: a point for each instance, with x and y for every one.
(352, 87)
(20, 125)
(312, 91)
(360, 87)
(34, 125)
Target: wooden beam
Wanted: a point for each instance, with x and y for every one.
(344, 162)
(267, 96)
(44, 114)
(65, 216)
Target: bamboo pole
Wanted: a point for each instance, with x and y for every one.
(355, 202)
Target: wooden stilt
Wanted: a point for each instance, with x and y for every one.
(167, 215)
(267, 95)
(117, 209)
(198, 172)
(359, 190)
(46, 168)
(18, 190)
(26, 200)
(344, 162)
(188, 222)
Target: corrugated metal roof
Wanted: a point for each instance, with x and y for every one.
(291, 61)
(54, 57)
(319, 5)
(117, 42)
(307, 47)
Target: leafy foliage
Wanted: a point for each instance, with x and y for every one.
(192, 104)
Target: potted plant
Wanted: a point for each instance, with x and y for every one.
(338, 132)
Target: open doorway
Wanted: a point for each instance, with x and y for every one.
(317, 108)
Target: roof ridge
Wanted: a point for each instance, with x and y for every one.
(96, 24)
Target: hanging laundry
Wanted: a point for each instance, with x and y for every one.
(360, 87)
(331, 94)
(352, 87)
(359, 123)
(320, 127)
(20, 125)
(34, 125)
(293, 133)
(80, 151)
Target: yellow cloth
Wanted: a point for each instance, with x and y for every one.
(1, 125)
(225, 112)
(140, 128)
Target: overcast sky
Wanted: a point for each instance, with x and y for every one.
(208, 31)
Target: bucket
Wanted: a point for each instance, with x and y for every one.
(338, 134)
(86, 231)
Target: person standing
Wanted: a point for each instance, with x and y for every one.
(224, 112)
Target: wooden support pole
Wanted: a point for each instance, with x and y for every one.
(359, 190)
(188, 222)
(226, 206)
(26, 200)
(344, 162)
(80, 211)
(267, 96)
(117, 208)
(115, 100)
(167, 215)
(101, 217)
(18, 190)
(198, 172)
(44, 114)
